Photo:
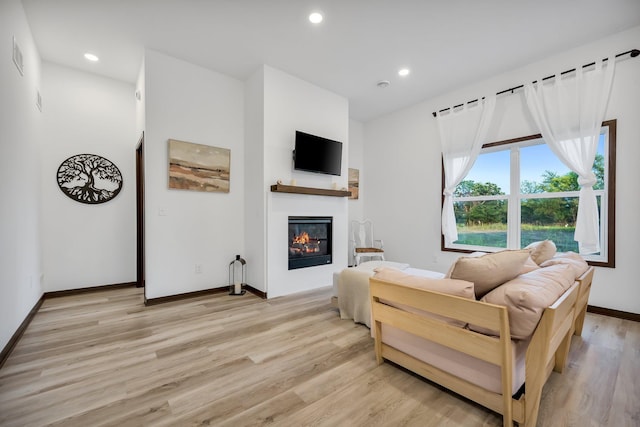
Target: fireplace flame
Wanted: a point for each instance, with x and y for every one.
(302, 243)
(302, 239)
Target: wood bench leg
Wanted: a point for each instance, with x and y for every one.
(562, 354)
(579, 323)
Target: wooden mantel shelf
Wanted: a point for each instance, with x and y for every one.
(280, 188)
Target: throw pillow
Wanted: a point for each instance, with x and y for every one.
(490, 270)
(542, 251)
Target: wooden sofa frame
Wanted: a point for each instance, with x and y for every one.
(547, 351)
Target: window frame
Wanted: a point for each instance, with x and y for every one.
(607, 225)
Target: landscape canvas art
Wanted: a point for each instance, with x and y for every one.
(354, 183)
(198, 167)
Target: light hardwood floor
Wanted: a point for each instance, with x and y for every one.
(105, 359)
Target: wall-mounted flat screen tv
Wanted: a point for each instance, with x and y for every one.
(316, 154)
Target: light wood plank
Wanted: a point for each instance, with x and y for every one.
(105, 359)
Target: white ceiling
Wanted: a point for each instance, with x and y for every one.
(446, 43)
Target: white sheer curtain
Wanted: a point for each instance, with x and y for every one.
(462, 133)
(569, 112)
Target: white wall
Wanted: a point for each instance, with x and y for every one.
(356, 161)
(20, 134)
(281, 280)
(403, 197)
(255, 226)
(292, 104)
(190, 103)
(278, 104)
(140, 103)
(87, 245)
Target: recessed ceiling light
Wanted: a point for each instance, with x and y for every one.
(315, 18)
(91, 57)
(403, 72)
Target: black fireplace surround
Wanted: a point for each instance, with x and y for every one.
(309, 241)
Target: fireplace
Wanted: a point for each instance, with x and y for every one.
(309, 241)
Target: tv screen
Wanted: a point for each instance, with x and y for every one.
(316, 154)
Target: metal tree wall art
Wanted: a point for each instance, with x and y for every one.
(89, 178)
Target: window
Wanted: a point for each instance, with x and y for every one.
(518, 192)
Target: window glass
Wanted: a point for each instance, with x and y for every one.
(544, 206)
(538, 164)
(549, 218)
(491, 167)
(482, 223)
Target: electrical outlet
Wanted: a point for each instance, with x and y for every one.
(198, 268)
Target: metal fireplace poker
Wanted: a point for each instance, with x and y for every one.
(237, 275)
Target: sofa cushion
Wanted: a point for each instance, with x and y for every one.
(572, 259)
(490, 270)
(459, 288)
(527, 296)
(542, 251)
(528, 266)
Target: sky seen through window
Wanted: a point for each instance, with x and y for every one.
(534, 161)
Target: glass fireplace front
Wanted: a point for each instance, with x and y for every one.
(309, 241)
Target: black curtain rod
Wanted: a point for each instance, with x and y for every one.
(632, 52)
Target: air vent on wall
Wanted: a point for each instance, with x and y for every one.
(17, 57)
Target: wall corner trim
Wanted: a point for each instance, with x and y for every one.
(6, 351)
